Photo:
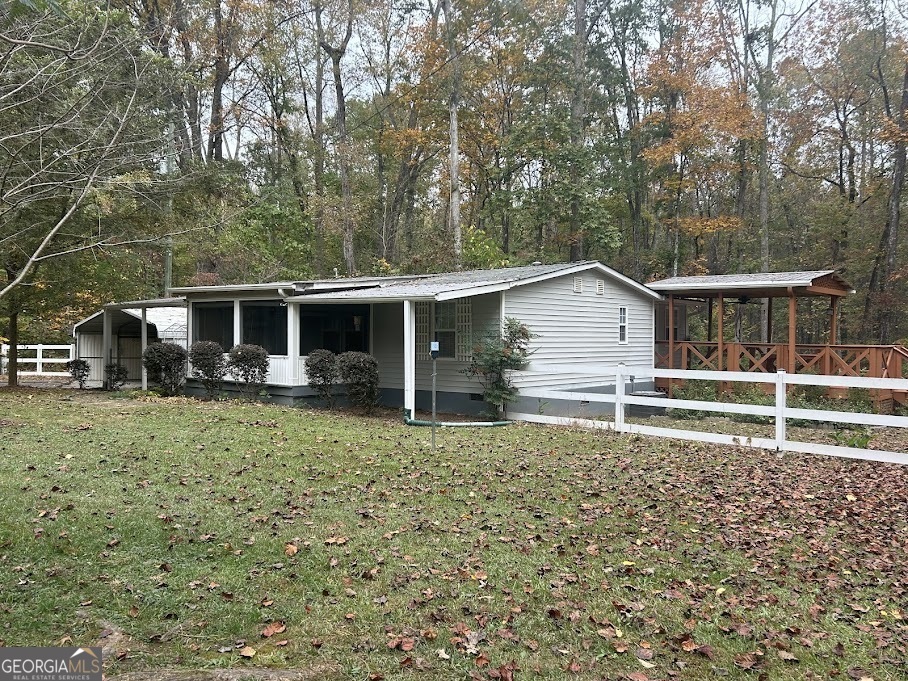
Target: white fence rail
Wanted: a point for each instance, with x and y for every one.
(35, 355)
(779, 411)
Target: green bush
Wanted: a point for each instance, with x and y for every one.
(116, 376)
(704, 391)
(166, 366)
(79, 369)
(209, 366)
(495, 357)
(248, 365)
(321, 372)
(359, 371)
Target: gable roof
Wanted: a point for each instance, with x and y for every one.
(450, 285)
(163, 319)
(760, 284)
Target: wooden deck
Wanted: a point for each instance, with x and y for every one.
(870, 361)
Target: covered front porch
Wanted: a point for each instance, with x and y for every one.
(723, 349)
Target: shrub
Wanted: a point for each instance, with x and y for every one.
(116, 376)
(209, 365)
(495, 357)
(321, 372)
(248, 364)
(703, 391)
(79, 369)
(166, 366)
(359, 371)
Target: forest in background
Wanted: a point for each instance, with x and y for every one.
(286, 139)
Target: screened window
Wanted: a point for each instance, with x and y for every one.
(622, 324)
(265, 324)
(213, 322)
(338, 328)
(446, 328)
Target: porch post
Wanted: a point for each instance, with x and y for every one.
(293, 345)
(720, 332)
(833, 320)
(792, 338)
(106, 337)
(709, 320)
(144, 345)
(769, 320)
(671, 331)
(237, 324)
(410, 358)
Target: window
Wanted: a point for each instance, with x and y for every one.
(264, 322)
(338, 328)
(450, 323)
(446, 328)
(600, 287)
(622, 324)
(578, 284)
(213, 322)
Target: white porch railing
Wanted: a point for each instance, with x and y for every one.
(779, 411)
(35, 355)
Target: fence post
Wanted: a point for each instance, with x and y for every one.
(39, 357)
(781, 396)
(619, 398)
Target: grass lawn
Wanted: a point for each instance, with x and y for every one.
(187, 531)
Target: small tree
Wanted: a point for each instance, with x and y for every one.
(117, 375)
(209, 365)
(321, 372)
(248, 364)
(79, 369)
(495, 357)
(166, 366)
(359, 371)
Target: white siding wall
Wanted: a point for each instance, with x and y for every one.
(387, 347)
(577, 331)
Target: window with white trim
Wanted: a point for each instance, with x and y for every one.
(446, 328)
(622, 325)
(448, 322)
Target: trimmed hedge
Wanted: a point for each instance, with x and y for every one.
(248, 365)
(359, 371)
(209, 366)
(79, 369)
(166, 366)
(321, 373)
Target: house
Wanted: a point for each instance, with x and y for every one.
(587, 319)
(125, 342)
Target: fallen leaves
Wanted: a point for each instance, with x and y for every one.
(274, 628)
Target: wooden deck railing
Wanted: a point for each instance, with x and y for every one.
(871, 361)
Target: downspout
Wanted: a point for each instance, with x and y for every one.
(451, 424)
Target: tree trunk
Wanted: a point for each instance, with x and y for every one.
(884, 264)
(318, 134)
(454, 150)
(578, 113)
(12, 374)
(343, 142)
(221, 73)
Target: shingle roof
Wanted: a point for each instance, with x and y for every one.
(449, 284)
(764, 281)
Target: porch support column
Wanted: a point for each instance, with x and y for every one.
(144, 345)
(709, 320)
(106, 339)
(769, 320)
(237, 324)
(833, 320)
(720, 333)
(410, 358)
(671, 331)
(792, 338)
(293, 344)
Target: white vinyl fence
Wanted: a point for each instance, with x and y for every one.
(39, 360)
(780, 411)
